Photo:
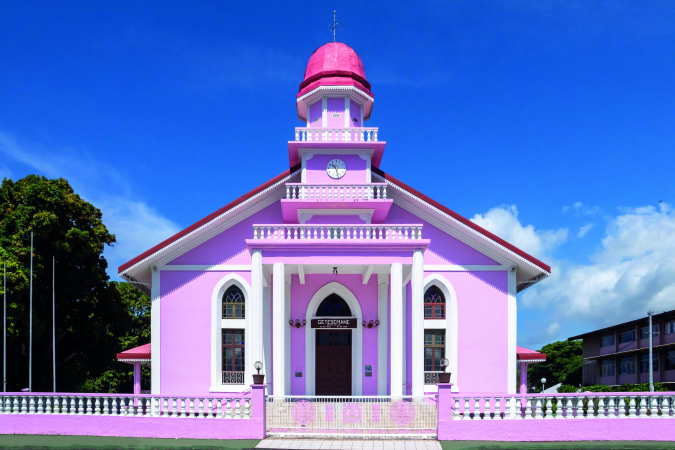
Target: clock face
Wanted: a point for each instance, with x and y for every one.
(336, 168)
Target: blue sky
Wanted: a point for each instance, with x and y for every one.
(551, 123)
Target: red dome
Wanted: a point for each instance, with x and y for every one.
(334, 64)
(334, 56)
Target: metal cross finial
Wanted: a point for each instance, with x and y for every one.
(335, 24)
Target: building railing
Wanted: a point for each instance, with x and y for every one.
(233, 377)
(212, 407)
(336, 192)
(299, 414)
(431, 377)
(337, 232)
(336, 134)
(588, 405)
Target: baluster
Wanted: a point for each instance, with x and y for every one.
(611, 407)
(228, 408)
(210, 404)
(560, 406)
(105, 406)
(48, 405)
(90, 410)
(654, 408)
(476, 408)
(384, 191)
(17, 405)
(510, 408)
(621, 413)
(528, 408)
(486, 409)
(643, 407)
(455, 408)
(321, 236)
(247, 408)
(174, 407)
(580, 408)
(31, 404)
(237, 408)
(39, 405)
(467, 408)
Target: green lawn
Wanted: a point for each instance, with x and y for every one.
(18, 441)
(587, 445)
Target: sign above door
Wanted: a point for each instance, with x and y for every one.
(334, 323)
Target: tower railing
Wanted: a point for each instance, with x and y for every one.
(336, 192)
(336, 134)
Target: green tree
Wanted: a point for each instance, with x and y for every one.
(563, 365)
(94, 318)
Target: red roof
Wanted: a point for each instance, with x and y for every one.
(141, 352)
(286, 173)
(334, 63)
(526, 353)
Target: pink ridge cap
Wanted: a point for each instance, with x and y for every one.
(334, 56)
(140, 352)
(526, 353)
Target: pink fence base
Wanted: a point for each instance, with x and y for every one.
(557, 430)
(151, 427)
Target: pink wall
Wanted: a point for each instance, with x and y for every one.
(229, 247)
(443, 249)
(356, 169)
(315, 113)
(335, 106)
(355, 113)
(335, 220)
(186, 330)
(482, 328)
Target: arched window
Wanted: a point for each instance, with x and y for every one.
(233, 303)
(333, 306)
(434, 303)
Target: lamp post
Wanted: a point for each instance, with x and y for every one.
(543, 385)
(258, 378)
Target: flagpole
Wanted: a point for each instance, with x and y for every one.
(54, 319)
(4, 327)
(30, 339)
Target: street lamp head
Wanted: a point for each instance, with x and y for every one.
(258, 366)
(543, 380)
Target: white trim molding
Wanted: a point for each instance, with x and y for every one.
(155, 334)
(451, 321)
(464, 268)
(208, 267)
(512, 315)
(217, 334)
(310, 336)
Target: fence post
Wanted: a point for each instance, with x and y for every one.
(259, 407)
(445, 406)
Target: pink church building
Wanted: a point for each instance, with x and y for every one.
(337, 277)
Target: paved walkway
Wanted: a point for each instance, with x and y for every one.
(354, 444)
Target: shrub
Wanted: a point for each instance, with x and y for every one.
(567, 389)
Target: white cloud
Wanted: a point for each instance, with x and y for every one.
(553, 329)
(580, 209)
(503, 221)
(585, 229)
(136, 225)
(633, 272)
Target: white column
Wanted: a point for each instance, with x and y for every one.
(382, 331)
(397, 326)
(267, 337)
(280, 328)
(511, 333)
(287, 333)
(417, 321)
(154, 333)
(254, 316)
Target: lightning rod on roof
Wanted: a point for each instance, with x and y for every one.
(335, 24)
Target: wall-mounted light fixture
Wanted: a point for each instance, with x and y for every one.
(370, 324)
(297, 323)
(334, 270)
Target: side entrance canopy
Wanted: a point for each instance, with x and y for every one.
(138, 356)
(526, 356)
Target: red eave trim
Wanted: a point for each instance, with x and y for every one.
(206, 219)
(123, 356)
(463, 220)
(541, 356)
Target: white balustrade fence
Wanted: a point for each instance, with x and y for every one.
(336, 192)
(375, 415)
(620, 405)
(127, 405)
(336, 134)
(335, 232)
